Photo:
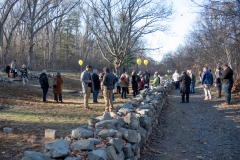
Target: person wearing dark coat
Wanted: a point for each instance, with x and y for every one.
(185, 82)
(43, 79)
(96, 85)
(227, 81)
(8, 68)
(134, 83)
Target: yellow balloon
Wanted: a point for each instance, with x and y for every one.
(80, 62)
(166, 75)
(139, 61)
(145, 62)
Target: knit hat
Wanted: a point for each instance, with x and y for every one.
(225, 65)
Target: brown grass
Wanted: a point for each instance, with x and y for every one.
(21, 108)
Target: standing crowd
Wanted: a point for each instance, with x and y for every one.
(223, 80)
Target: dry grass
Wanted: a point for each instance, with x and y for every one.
(21, 108)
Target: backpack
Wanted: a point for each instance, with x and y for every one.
(138, 79)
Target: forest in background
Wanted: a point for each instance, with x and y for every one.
(56, 34)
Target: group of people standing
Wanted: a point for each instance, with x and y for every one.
(223, 79)
(109, 83)
(12, 69)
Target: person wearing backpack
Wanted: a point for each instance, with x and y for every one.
(43, 80)
(134, 83)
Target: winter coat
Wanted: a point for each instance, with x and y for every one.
(193, 78)
(218, 77)
(185, 82)
(207, 77)
(124, 82)
(8, 69)
(227, 76)
(43, 80)
(95, 81)
(134, 80)
(175, 77)
(24, 72)
(156, 81)
(108, 81)
(58, 88)
(85, 78)
(141, 84)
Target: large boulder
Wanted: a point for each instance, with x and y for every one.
(81, 133)
(97, 155)
(106, 116)
(111, 153)
(57, 149)
(84, 145)
(107, 133)
(117, 143)
(127, 149)
(32, 155)
(110, 124)
(132, 120)
(130, 135)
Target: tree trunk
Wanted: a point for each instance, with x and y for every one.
(1, 44)
(30, 54)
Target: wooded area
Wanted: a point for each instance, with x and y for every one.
(55, 34)
(214, 39)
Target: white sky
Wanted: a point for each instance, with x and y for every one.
(184, 18)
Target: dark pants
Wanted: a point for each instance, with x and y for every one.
(58, 97)
(192, 87)
(124, 92)
(45, 90)
(183, 97)
(219, 88)
(227, 87)
(95, 95)
(135, 90)
(176, 84)
(118, 90)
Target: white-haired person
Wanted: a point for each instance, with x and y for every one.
(24, 74)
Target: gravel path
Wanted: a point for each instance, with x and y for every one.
(196, 130)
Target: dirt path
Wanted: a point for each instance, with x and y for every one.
(198, 130)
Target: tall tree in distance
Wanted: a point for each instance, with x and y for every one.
(119, 24)
(5, 9)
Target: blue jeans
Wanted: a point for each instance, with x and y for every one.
(95, 94)
(192, 86)
(227, 87)
(45, 90)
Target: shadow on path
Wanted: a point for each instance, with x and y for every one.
(196, 130)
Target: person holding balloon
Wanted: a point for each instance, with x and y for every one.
(86, 80)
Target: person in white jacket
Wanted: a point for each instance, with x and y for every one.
(175, 77)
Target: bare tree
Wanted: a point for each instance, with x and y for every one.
(118, 24)
(37, 12)
(5, 9)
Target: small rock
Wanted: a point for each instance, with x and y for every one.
(81, 133)
(117, 144)
(50, 133)
(130, 135)
(32, 155)
(111, 153)
(97, 155)
(58, 148)
(95, 140)
(8, 130)
(106, 116)
(74, 158)
(128, 151)
(107, 133)
(132, 120)
(84, 145)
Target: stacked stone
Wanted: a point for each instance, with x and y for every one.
(6, 80)
(113, 136)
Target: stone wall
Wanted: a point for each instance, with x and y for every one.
(116, 135)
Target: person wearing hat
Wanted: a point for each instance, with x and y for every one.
(218, 82)
(43, 80)
(227, 81)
